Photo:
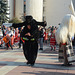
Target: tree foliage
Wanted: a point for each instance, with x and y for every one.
(15, 20)
(3, 11)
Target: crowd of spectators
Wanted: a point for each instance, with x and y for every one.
(46, 36)
(9, 37)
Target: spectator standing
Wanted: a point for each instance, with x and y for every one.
(16, 39)
(1, 35)
(41, 38)
(45, 36)
(53, 40)
(9, 34)
(20, 41)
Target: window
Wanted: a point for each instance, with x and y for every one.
(24, 8)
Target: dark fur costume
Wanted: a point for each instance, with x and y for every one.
(30, 48)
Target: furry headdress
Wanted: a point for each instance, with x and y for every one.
(67, 27)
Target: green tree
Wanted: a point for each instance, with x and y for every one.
(3, 11)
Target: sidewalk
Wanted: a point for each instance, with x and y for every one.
(12, 62)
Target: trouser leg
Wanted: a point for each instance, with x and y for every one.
(10, 44)
(65, 57)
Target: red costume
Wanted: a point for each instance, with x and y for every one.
(45, 36)
(52, 41)
(17, 37)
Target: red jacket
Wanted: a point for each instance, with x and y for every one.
(52, 39)
(45, 36)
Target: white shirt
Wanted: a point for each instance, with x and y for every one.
(9, 33)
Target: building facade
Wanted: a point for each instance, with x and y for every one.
(35, 8)
(51, 11)
(17, 8)
(55, 10)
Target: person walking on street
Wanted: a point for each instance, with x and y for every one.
(30, 35)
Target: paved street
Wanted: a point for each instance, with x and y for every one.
(12, 62)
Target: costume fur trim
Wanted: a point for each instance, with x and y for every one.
(67, 27)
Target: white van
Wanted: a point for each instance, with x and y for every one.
(7, 24)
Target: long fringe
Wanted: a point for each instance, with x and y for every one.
(67, 27)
